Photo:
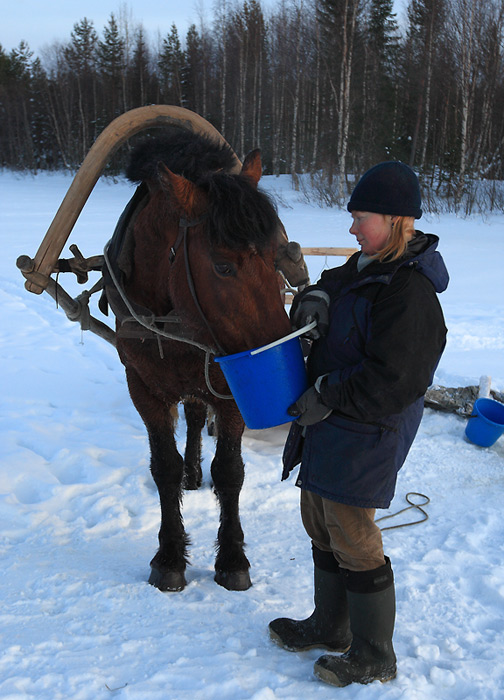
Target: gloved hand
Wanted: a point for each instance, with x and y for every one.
(309, 408)
(314, 306)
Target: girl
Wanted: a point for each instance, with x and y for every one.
(379, 338)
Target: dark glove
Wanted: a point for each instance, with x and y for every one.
(314, 306)
(309, 408)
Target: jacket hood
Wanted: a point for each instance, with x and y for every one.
(428, 261)
(421, 253)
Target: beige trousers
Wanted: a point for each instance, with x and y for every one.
(349, 532)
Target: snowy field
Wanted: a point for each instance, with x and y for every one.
(79, 511)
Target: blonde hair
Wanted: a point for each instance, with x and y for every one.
(403, 230)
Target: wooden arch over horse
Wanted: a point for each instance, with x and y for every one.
(38, 271)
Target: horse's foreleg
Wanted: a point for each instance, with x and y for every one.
(195, 414)
(167, 467)
(231, 564)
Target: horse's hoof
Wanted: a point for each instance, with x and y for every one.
(193, 479)
(233, 580)
(168, 580)
(191, 484)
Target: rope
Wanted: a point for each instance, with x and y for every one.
(207, 379)
(416, 506)
(288, 287)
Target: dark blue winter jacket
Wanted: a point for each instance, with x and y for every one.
(386, 335)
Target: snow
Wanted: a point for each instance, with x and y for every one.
(79, 511)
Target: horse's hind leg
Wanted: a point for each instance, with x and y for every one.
(231, 564)
(195, 414)
(167, 467)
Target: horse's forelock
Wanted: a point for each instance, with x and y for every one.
(239, 214)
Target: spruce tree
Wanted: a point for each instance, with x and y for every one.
(192, 70)
(171, 66)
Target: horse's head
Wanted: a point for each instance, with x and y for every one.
(215, 258)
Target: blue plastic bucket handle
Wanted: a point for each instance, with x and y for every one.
(486, 424)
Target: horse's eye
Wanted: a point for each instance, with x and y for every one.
(224, 269)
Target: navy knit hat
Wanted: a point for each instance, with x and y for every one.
(388, 188)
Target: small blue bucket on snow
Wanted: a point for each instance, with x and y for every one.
(265, 381)
(486, 424)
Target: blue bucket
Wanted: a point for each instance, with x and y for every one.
(265, 381)
(486, 424)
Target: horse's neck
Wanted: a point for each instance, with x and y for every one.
(149, 282)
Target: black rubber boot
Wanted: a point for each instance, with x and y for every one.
(328, 625)
(371, 657)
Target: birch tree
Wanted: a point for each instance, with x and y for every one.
(221, 34)
(427, 26)
(463, 23)
(338, 22)
(490, 130)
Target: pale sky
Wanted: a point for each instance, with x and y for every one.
(42, 22)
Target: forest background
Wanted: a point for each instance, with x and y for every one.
(323, 87)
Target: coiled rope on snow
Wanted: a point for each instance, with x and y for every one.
(415, 506)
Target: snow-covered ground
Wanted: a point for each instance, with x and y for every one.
(79, 511)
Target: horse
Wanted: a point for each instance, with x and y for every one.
(195, 279)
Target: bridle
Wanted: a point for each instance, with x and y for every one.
(182, 237)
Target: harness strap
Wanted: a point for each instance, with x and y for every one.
(183, 226)
(146, 322)
(175, 246)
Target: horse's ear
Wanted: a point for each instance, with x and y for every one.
(252, 166)
(183, 191)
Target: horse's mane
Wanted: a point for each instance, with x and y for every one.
(239, 215)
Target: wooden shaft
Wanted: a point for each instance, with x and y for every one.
(346, 252)
(113, 136)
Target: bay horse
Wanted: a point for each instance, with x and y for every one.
(200, 265)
